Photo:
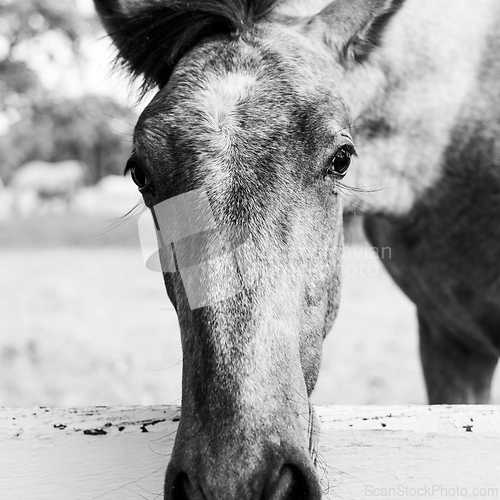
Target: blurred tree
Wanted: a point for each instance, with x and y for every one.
(22, 20)
(28, 20)
(93, 129)
(17, 76)
(19, 87)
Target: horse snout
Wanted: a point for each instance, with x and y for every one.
(287, 482)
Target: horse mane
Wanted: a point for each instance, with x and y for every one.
(152, 37)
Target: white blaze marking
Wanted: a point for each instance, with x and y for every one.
(218, 101)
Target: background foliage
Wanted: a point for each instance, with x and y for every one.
(47, 125)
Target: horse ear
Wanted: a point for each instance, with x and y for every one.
(137, 28)
(353, 27)
(125, 22)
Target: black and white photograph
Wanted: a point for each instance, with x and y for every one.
(249, 249)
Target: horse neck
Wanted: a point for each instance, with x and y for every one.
(407, 99)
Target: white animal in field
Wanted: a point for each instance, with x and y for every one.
(45, 181)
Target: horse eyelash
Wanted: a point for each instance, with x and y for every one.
(128, 166)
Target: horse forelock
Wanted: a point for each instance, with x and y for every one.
(165, 32)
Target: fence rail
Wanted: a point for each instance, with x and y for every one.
(366, 452)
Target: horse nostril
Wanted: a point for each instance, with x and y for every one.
(290, 485)
(180, 487)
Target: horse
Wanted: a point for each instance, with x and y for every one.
(262, 108)
(49, 181)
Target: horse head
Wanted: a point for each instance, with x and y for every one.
(240, 156)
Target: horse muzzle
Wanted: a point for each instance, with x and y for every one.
(274, 475)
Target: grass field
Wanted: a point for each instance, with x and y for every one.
(83, 322)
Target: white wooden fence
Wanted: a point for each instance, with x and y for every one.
(366, 452)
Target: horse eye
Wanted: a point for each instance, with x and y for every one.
(137, 173)
(341, 161)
